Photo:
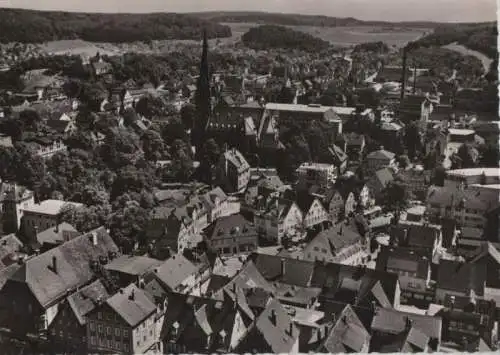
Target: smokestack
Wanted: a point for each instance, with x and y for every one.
(57, 228)
(403, 76)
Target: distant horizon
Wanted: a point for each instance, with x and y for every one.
(437, 11)
(241, 11)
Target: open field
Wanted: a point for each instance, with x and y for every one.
(466, 51)
(347, 36)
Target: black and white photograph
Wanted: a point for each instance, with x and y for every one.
(233, 177)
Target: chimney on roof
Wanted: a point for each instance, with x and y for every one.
(282, 267)
(94, 238)
(452, 301)
(290, 329)
(54, 264)
(272, 317)
(132, 295)
(408, 323)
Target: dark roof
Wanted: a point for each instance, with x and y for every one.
(461, 277)
(304, 201)
(272, 329)
(235, 226)
(175, 270)
(403, 259)
(58, 125)
(347, 335)
(132, 304)
(391, 321)
(380, 180)
(83, 301)
(340, 236)
(55, 235)
(423, 235)
(73, 260)
(334, 279)
(132, 265)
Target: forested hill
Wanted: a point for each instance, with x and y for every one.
(31, 26)
(479, 37)
(304, 20)
(279, 37)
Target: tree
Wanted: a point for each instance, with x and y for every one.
(466, 153)
(413, 139)
(188, 115)
(153, 145)
(489, 155)
(395, 196)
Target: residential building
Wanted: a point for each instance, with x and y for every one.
(456, 278)
(416, 180)
(339, 158)
(43, 215)
(68, 331)
(131, 269)
(180, 275)
(380, 159)
(356, 285)
(233, 171)
(273, 331)
(300, 113)
(218, 204)
(31, 306)
(396, 331)
(124, 323)
(312, 209)
(339, 244)
(468, 321)
(353, 145)
(338, 202)
(279, 218)
(45, 147)
(469, 207)
(13, 198)
(322, 175)
(348, 334)
(488, 255)
(426, 237)
(379, 181)
(53, 236)
(231, 235)
(482, 176)
(414, 270)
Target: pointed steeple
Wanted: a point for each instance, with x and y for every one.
(202, 98)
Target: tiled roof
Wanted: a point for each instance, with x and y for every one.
(381, 154)
(231, 226)
(132, 304)
(73, 266)
(403, 259)
(132, 265)
(50, 207)
(175, 270)
(85, 300)
(461, 277)
(273, 325)
(391, 321)
(55, 235)
(234, 157)
(347, 335)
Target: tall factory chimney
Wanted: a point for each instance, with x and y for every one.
(403, 76)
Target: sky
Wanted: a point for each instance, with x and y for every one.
(387, 10)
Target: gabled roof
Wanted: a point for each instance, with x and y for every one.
(461, 277)
(381, 179)
(336, 238)
(273, 327)
(347, 335)
(132, 304)
(235, 226)
(132, 265)
(73, 266)
(339, 155)
(234, 157)
(175, 270)
(487, 249)
(55, 235)
(403, 259)
(50, 207)
(83, 301)
(381, 154)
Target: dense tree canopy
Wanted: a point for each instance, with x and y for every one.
(36, 26)
(272, 37)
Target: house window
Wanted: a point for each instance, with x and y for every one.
(125, 333)
(117, 346)
(117, 332)
(125, 347)
(92, 341)
(100, 328)
(99, 315)
(92, 326)
(108, 330)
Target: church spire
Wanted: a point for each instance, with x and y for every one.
(202, 98)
